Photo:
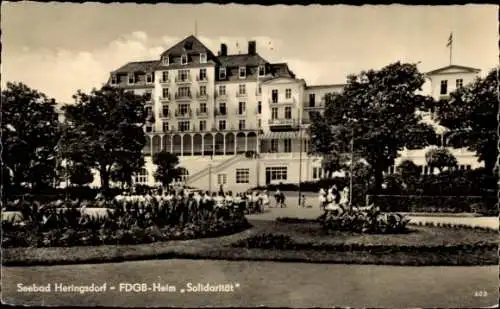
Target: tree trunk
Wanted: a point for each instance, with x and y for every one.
(104, 178)
(379, 178)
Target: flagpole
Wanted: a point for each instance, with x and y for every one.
(451, 50)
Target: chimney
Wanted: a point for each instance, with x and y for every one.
(252, 49)
(223, 49)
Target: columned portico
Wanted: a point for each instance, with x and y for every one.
(192, 144)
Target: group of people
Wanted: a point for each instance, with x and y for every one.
(334, 200)
(250, 201)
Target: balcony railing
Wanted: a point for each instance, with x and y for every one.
(183, 80)
(220, 113)
(221, 95)
(202, 96)
(165, 98)
(241, 95)
(164, 81)
(242, 113)
(202, 78)
(183, 114)
(183, 96)
(166, 115)
(283, 122)
(200, 112)
(290, 101)
(315, 105)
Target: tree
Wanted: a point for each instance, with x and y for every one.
(123, 171)
(30, 133)
(167, 167)
(471, 115)
(378, 110)
(106, 129)
(440, 158)
(80, 174)
(408, 169)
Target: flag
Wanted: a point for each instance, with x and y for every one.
(450, 40)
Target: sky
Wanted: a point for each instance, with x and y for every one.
(59, 48)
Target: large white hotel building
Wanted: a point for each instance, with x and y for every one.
(216, 111)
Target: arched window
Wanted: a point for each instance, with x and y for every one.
(142, 177)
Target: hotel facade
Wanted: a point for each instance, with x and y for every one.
(240, 121)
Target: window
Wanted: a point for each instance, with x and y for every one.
(149, 110)
(222, 124)
(184, 59)
(148, 94)
(203, 125)
(149, 129)
(114, 80)
(149, 78)
(241, 108)
(222, 108)
(444, 87)
(259, 123)
(241, 125)
(165, 110)
(274, 113)
(259, 107)
(183, 75)
(165, 127)
(242, 175)
(142, 176)
(274, 145)
(426, 170)
(183, 125)
(262, 70)
(184, 91)
(165, 60)
(288, 93)
(165, 93)
(312, 99)
(288, 145)
(259, 90)
(222, 73)
(460, 83)
(274, 95)
(183, 108)
(315, 173)
(221, 179)
(243, 72)
(203, 108)
(203, 58)
(277, 173)
(242, 89)
(288, 112)
(222, 90)
(164, 76)
(131, 78)
(468, 167)
(203, 90)
(203, 74)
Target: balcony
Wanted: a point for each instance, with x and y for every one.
(165, 115)
(282, 122)
(183, 80)
(183, 96)
(183, 114)
(242, 114)
(241, 95)
(314, 106)
(220, 113)
(201, 96)
(288, 102)
(221, 96)
(201, 113)
(164, 99)
(202, 79)
(165, 81)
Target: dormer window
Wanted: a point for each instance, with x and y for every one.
(203, 58)
(165, 60)
(262, 70)
(222, 73)
(131, 78)
(184, 59)
(149, 78)
(114, 80)
(243, 72)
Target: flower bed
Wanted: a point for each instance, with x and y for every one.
(131, 223)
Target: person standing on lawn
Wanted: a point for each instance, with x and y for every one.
(264, 201)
